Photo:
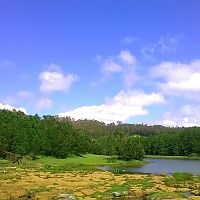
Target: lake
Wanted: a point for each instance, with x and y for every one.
(157, 166)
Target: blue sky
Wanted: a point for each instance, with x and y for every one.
(134, 61)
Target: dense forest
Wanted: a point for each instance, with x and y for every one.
(63, 137)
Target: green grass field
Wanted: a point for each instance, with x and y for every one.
(89, 159)
(42, 178)
(86, 162)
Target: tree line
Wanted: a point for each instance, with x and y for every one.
(25, 134)
(63, 137)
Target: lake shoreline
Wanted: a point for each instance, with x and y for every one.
(173, 157)
(48, 177)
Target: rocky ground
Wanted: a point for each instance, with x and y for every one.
(16, 183)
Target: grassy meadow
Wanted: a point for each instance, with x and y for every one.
(47, 177)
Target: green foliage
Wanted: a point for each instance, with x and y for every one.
(64, 137)
(23, 134)
(130, 148)
(183, 142)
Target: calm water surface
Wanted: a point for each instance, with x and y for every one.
(157, 166)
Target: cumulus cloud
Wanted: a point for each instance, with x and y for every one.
(168, 123)
(11, 108)
(178, 78)
(124, 64)
(186, 116)
(109, 66)
(44, 103)
(56, 81)
(127, 57)
(123, 106)
(180, 122)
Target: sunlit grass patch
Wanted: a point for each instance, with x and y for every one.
(182, 176)
(40, 189)
(164, 195)
(88, 159)
(84, 164)
(179, 179)
(8, 176)
(143, 183)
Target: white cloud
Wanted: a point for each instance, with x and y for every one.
(168, 123)
(109, 66)
(178, 78)
(129, 76)
(180, 122)
(123, 106)
(191, 84)
(56, 81)
(127, 57)
(124, 64)
(186, 116)
(11, 108)
(44, 103)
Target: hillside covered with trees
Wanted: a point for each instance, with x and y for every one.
(63, 137)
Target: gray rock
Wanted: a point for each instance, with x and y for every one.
(66, 197)
(71, 197)
(116, 194)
